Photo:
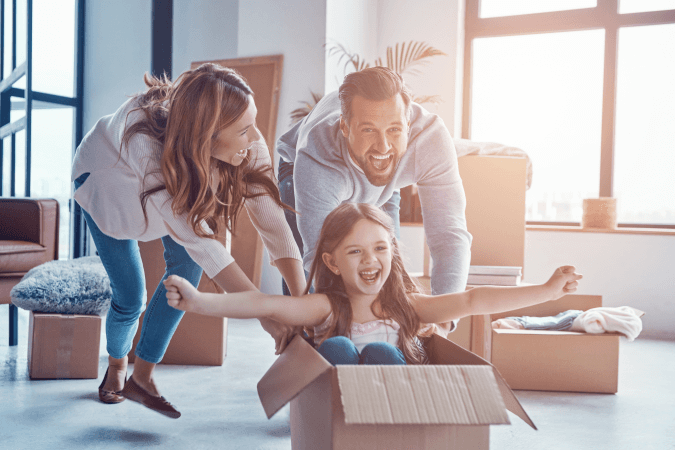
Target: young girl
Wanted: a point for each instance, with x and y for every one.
(178, 162)
(366, 308)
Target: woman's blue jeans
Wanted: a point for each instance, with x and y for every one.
(122, 261)
(341, 350)
(287, 192)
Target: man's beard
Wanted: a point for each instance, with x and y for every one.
(379, 177)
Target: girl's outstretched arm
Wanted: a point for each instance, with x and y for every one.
(309, 310)
(494, 299)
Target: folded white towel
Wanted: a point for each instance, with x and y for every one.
(622, 319)
(507, 324)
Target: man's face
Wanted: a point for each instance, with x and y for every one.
(377, 135)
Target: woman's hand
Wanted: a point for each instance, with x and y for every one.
(180, 294)
(281, 333)
(563, 281)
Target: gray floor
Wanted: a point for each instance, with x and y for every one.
(221, 410)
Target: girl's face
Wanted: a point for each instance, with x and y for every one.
(232, 144)
(362, 259)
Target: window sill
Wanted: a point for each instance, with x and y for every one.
(578, 229)
(621, 230)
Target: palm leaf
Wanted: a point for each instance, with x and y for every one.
(402, 57)
(299, 113)
(357, 62)
(435, 99)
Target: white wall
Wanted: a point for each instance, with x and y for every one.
(626, 269)
(203, 30)
(439, 23)
(117, 53)
(296, 29)
(352, 24)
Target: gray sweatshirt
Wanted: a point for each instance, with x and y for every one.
(325, 177)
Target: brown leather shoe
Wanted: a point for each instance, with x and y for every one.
(135, 393)
(109, 397)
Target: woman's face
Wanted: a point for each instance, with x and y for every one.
(232, 144)
(362, 259)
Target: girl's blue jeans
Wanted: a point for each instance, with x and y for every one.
(341, 350)
(122, 261)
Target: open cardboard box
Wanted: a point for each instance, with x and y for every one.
(555, 360)
(447, 404)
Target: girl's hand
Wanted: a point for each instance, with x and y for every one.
(563, 281)
(180, 294)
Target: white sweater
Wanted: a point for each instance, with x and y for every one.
(111, 195)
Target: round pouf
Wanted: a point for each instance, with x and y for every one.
(77, 286)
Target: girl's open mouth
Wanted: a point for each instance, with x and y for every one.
(370, 276)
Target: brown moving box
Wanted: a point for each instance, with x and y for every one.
(495, 217)
(198, 340)
(63, 345)
(448, 404)
(556, 360)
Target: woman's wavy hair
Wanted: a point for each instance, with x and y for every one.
(393, 301)
(185, 117)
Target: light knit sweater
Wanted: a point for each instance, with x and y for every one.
(111, 195)
(324, 177)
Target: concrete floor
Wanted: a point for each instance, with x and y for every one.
(221, 409)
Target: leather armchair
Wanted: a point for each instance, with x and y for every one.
(29, 236)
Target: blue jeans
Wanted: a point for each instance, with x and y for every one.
(122, 261)
(341, 350)
(287, 192)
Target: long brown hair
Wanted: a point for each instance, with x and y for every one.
(392, 302)
(185, 116)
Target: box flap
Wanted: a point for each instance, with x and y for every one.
(442, 351)
(294, 369)
(432, 394)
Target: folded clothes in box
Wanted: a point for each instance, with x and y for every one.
(547, 360)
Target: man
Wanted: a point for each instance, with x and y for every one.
(364, 143)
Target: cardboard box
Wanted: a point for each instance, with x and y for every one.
(448, 404)
(556, 360)
(198, 340)
(63, 345)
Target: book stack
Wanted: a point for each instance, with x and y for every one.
(495, 275)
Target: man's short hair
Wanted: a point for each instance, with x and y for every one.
(373, 83)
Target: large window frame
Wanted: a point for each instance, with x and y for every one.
(604, 16)
(8, 91)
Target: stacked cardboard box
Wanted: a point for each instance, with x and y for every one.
(63, 345)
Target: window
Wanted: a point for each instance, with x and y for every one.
(41, 103)
(585, 88)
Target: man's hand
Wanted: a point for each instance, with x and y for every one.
(180, 294)
(281, 333)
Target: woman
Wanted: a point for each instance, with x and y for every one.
(177, 162)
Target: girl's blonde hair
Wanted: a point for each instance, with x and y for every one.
(393, 301)
(185, 117)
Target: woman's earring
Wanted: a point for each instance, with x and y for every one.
(337, 272)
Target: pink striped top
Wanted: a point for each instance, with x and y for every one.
(362, 334)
